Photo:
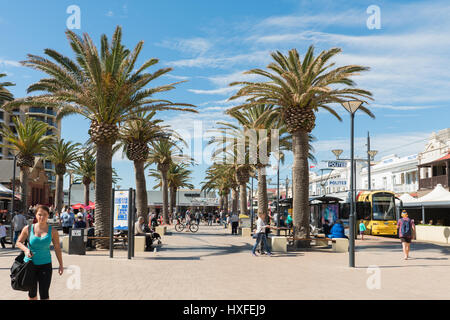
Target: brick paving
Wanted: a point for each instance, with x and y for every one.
(213, 264)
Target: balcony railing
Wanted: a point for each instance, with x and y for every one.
(36, 110)
(430, 183)
(413, 187)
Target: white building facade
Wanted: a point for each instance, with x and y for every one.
(392, 173)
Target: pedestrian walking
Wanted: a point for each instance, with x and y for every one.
(261, 236)
(210, 218)
(197, 217)
(227, 221)
(2, 234)
(406, 228)
(42, 235)
(18, 223)
(362, 228)
(234, 223)
(67, 220)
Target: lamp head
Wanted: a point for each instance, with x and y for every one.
(337, 152)
(372, 153)
(352, 105)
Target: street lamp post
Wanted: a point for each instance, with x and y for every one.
(251, 209)
(352, 106)
(70, 186)
(13, 197)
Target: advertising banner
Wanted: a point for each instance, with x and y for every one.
(121, 210)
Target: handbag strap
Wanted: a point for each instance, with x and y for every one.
(29, 236)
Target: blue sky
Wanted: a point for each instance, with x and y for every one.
(210, 44)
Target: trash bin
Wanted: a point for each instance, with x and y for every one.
(76, 242)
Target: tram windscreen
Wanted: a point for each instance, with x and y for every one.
(383, 206)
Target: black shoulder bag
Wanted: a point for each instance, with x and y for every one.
(22, 273)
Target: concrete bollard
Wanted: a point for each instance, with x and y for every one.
(341, 245)
(279, 244)
(139, 244)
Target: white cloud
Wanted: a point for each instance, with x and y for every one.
(198, 46)
(110, 13)
(9, 63)
(176, 77)
(256, 57)
(220, 91)
(394, 143)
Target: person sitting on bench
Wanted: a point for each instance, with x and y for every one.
(139, 231)
(337, 230)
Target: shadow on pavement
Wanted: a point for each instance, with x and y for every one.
(405, 266)
(168, 258)
(398, 247)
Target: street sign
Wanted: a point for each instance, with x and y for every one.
(337, 182)
(337, 164)
(121, 210)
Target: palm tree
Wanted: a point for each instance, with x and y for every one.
(178, 176)
(261, 120)
(5, 95)
(162, 153)
(299, 89)
(31, 139)
(220, 177)
(61, 154)
(85, 169)
(135, 136)
(105, 87)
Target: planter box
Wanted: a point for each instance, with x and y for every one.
(433, 233)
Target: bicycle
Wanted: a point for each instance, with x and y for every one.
(180, 226)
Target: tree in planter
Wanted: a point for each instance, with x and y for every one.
(31, 139)
(61, 154)
(135, 136)
(299, 88)
(105, 87)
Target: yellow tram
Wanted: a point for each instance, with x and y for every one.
(376, 209)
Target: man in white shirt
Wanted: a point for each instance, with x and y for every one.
(261, 236)
(18, 223)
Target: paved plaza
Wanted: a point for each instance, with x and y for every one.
(213, 264)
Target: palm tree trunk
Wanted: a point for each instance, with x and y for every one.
(221, 202)
(263, 202)
(103, 186)
(165, 191)
(225, 203)
(300, 185)
(59, 193)
(234, 200)
(173, 200)
(141, 190)
(24, 187)
(243, 198)
(86, 194)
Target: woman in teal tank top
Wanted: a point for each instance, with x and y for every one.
(42, 236)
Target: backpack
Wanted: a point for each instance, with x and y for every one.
(406, 228)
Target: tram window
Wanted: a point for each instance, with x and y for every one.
(363, 210)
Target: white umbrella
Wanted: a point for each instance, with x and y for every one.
(4, 189)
